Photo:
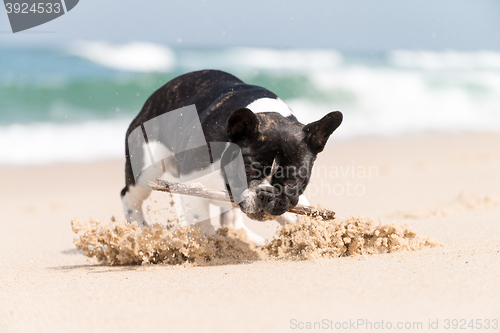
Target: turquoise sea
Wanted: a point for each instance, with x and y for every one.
(74, 102)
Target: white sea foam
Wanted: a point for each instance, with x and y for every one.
(445, 60)
(241, 60)
(421, 92)
(45, 143)
(358, 124)
(134, 57)
(391, 101)
(290, 59)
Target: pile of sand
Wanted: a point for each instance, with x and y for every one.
(314, 238)
(123, 243)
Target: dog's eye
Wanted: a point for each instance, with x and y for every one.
(291, 182)
(249, 170)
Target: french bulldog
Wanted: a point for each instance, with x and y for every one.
(276, 150)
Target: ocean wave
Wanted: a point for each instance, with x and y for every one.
(133, 57)
(445, 60)
(46, 143)
(385, 101)
(360, 124)
(451, 113)
(289, 59)
(377, 98)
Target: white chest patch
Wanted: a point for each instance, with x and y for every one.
(270, 105)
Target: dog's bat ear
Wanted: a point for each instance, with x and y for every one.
(318, 132)
(242, 124)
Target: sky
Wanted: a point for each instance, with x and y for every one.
(355, 25)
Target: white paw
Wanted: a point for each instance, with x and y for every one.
(287, 218)
(303, 201)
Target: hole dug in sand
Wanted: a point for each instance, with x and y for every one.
(123, 243)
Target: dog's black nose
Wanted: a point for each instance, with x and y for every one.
(265, 196)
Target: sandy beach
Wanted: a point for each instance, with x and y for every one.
(445, 186)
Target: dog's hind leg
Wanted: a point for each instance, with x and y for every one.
(136, 191)
(140, 168)
(132, 198)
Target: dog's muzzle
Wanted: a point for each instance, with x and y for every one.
(265, 202)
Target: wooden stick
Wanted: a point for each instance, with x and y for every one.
(202, 192)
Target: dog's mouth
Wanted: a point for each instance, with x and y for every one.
(261, 216)
(265, 202)
(263, 211)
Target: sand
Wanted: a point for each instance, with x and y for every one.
(444, 187)
(123, 243)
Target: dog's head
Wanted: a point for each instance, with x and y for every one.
(278, 155)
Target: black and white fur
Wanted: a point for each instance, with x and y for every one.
(255, 119)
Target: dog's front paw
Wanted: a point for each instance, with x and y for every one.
(287, 218)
